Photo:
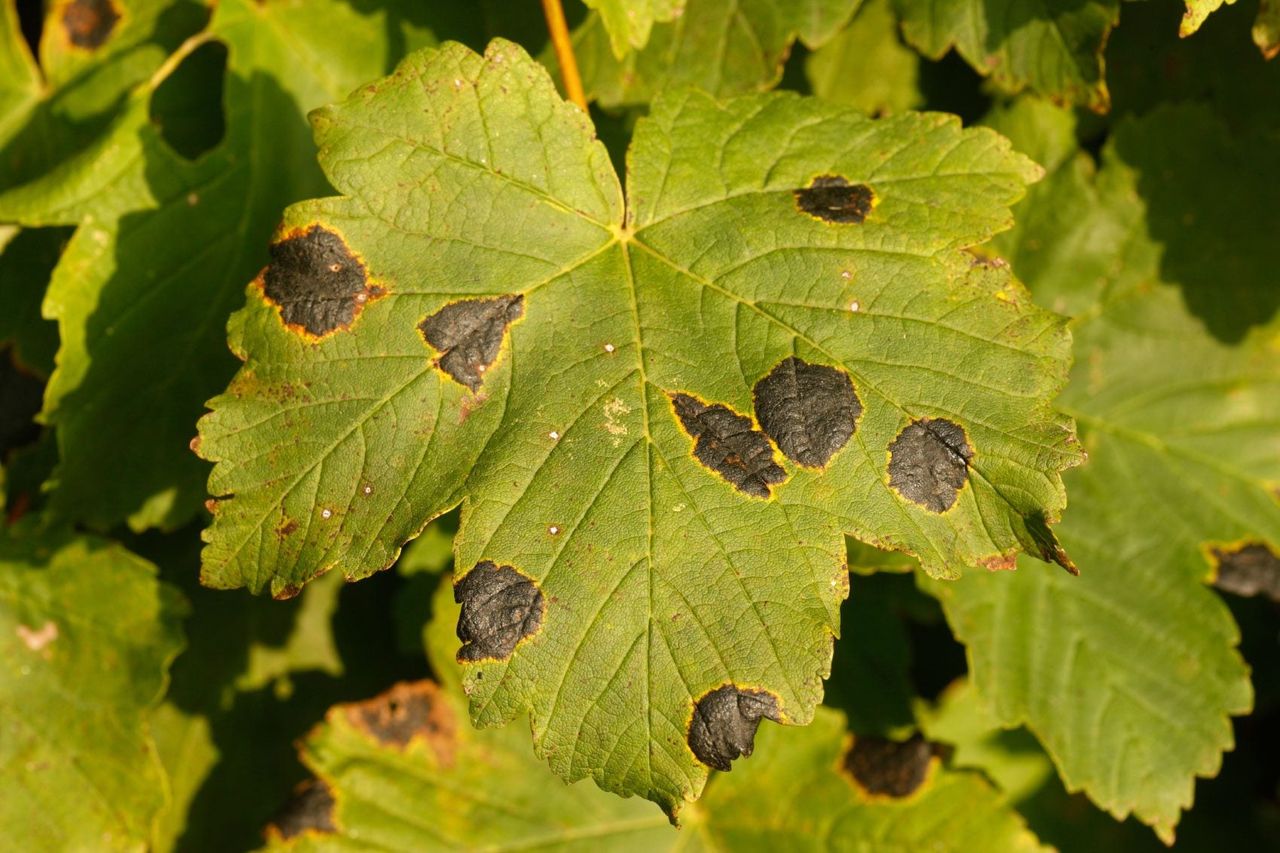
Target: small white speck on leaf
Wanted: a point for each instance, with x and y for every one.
(846, 274)
(553, 530)
(326, 513)
(368, 490)
(37, 638)
(609, 347)
(855, 306)
(553, 435)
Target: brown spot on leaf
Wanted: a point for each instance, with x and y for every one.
(285, 527)
(310, 810)
(316, 282)
(724, 724)
(929, 463)
(1000, 562)
(728, 444)
(500, 607)
(407, 712)
(810, 410)
(831, 198)
(1248, 569)
(469, 333)
(889, 768)
(88, 23)
(286, 592)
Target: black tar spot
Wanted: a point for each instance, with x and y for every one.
(500, 607)
(810, 410)
(833, 199)
(316, 281)
(929, 462)
(889, 768)
(310, 810)
(726, 442)
(89, 23)
(468, 334)
(1251, 569)
(724, 724)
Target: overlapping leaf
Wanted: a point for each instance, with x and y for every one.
(91, 55)
(476, 318)
(1128, 674)
(405, 771)
(722, 48)
(1053, 47)
(866, 65)
(86, 636)
(628, 21)
(144, 288)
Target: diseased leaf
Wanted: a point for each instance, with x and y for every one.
(404, 771)
(86, 637)
(620, 491)
(1129, 673)
(722, 48)
(1053, 47)
(1020, 768)
(143, 290)
(92, 53)
(628, 21)
(867, 66)
(1266, 28)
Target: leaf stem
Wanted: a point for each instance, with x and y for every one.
(554, 13)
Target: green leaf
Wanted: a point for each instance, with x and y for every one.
(866, 66)
(143, 290)
(450, 787)
(1129, 673)
(1019, 766)
(1266, 29)
(497, 330)
(1053, 47)
(723, 48)
(20, 82)
(88, 64)
(801, 793)
(404, 771)
(86, 635)
(1197, 11)
(628, 21)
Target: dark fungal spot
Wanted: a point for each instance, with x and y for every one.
(468, 335)
(929, 462)
(309, 810)
(809, 410)
(1247, 570)
(889, 768)
(500, 607)
(724, 724)
(317, 283)
(831, 198)
(408, 711)
(727, 443)
(88, 23)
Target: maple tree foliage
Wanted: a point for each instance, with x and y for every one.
(837, 424)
